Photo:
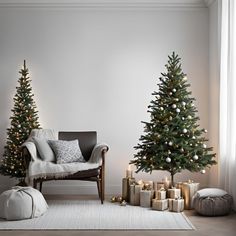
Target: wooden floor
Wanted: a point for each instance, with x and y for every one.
(205, 226)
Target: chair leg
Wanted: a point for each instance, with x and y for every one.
(102, 187)
(40, 186)
(99, 189)
(35, 183)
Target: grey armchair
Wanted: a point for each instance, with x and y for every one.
(90, 149)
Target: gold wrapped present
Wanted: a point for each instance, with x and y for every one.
(179, 185)
(176, 205)
(160, 194)
(189, 189)
(135, 194)
(126, 182)
(159, 205)
(158, 185)
(174, 193)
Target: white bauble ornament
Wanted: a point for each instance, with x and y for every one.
(185, 131)
(193, 137)
(191, 160)
(203, 171)
(165, 142)
(189, 117)
(185, 78)
(182, 150)
(190, 144)
(195, 157)
(18, 126)
(170, 143)
(192, 104)
(204, 145)
(174, 90)
(183, 103)
(205, 130)
(170, 93)
(174, 106)
(178, 110)
(168, 160)
(161, 108)
(176, 99)
(183, 118)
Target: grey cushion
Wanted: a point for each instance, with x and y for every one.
(212, 202)
(66, 151)
(44, 150)
(22, 203)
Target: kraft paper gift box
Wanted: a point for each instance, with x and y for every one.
(189, 189)
(160, 194)
(176, 205)
(159, 205)
(179, 185)
(174, 193)
(135, 194)
(126, 182)
(146, 197)
(158, 185)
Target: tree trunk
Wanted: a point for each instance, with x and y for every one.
(172, 179)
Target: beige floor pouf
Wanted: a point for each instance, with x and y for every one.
(212, 202)
(22, 203)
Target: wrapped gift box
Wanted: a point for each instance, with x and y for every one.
(146, 197)
(176, 205)
(135, 194)
(179, 185)
(159, 205)
(189, 189)
(174, 193)
(158, 185)
(160, 194)
(126, 182)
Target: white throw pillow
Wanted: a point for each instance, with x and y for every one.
(66, 151)
(44, 149)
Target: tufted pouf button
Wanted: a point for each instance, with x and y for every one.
(212, 202)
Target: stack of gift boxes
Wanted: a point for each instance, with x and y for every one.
(158, 195)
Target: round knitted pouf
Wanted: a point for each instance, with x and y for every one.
(212, 202)
(22, 203)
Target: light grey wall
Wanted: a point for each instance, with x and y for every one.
(95, 69)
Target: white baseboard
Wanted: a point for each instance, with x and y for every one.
(79, 189)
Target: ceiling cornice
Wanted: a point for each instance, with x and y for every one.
(129, 4)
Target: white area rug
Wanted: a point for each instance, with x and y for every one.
(91, 215)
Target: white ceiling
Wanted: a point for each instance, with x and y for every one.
(106, 3)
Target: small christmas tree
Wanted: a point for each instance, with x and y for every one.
(173, 140)
(23, 120)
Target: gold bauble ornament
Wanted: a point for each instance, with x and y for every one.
(123, 203)
(113, 199)
(119, 199)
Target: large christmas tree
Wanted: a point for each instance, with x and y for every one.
(24, 118)
(173, 140)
